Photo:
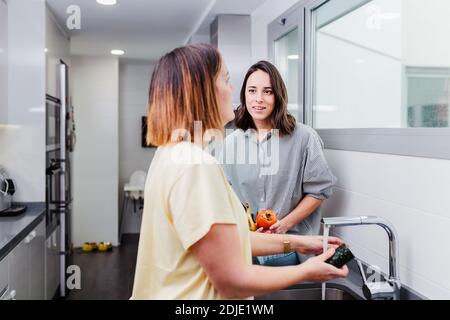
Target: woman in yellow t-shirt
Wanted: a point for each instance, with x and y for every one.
(195, 242)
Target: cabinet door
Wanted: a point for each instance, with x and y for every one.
(3, 277)
(52, 264)
(18, 270)
(3, 63)
(36, 262)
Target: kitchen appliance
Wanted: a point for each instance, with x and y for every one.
(7, 189)
(59, 145)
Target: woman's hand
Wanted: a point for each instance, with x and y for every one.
(281, 226)
(317, 270)
(261, 230)
(314, 244)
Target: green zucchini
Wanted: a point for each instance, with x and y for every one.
(341, 256)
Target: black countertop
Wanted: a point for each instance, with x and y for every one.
(15, 229)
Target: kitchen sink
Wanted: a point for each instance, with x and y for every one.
(311, 293)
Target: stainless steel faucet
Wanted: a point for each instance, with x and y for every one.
(390, 288)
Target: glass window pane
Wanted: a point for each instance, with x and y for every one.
(361, 62)
(286, 59)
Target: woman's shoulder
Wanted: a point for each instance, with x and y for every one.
(187, 154)
(307, 135)
(304, 130)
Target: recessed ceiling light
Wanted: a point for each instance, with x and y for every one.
(107, 2)
(45, 50)
(117, 52)
(293, 57)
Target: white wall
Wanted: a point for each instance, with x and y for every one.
(261, 18)
(3, 63)
(134, 82)
(410, 192)
(95, 84)
(22, 141)
(233, 38)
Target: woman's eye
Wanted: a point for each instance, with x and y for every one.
(268, 92)
(251, 90)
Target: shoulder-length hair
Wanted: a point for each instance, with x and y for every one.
(182, 91)
(280, 118)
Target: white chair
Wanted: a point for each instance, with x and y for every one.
(133, 190)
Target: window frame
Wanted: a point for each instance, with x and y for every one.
(416, 142)
(293, 18)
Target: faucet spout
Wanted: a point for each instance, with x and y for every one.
(394, 279)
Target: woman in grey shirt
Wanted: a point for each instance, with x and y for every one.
(274, 163)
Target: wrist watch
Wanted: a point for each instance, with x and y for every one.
(286, 245)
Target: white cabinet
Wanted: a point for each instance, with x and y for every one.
(27, 266)
(3, 63)
(52, 247)
(36, 263)
(4, 287)
(18, 270)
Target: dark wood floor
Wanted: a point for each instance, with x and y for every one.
(107, 275)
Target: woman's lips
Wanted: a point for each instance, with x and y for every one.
(259, 108)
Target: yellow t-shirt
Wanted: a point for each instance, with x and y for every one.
(186, 193)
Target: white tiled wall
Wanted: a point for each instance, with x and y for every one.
(414, 194)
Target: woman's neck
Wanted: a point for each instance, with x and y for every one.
(263, 126)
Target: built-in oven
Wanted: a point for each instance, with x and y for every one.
(53, 122)
(58, 169)
(53, 183)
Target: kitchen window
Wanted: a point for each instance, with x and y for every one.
(377, 75)
(286, 39)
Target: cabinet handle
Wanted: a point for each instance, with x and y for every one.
(30, 237)
(54, 240)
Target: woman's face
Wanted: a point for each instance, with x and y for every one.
(259, 97)
(224, 94)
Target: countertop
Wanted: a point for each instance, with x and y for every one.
(15, 229)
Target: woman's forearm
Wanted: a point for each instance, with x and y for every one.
(256, 280)
(303, 210)
(270, 243)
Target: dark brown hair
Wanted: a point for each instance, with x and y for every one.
(182, 90)
(280, 118)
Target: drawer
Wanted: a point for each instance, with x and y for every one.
(3, 275)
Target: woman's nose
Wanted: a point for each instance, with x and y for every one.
(259, 97)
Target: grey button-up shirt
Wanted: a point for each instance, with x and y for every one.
(278, 172)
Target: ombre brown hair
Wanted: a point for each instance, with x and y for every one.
(280, 117)
(182, 91)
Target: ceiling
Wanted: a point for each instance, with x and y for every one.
(145, 29)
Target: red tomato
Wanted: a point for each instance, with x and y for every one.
(266, 218)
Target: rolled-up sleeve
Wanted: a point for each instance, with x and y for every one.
(318, 180)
